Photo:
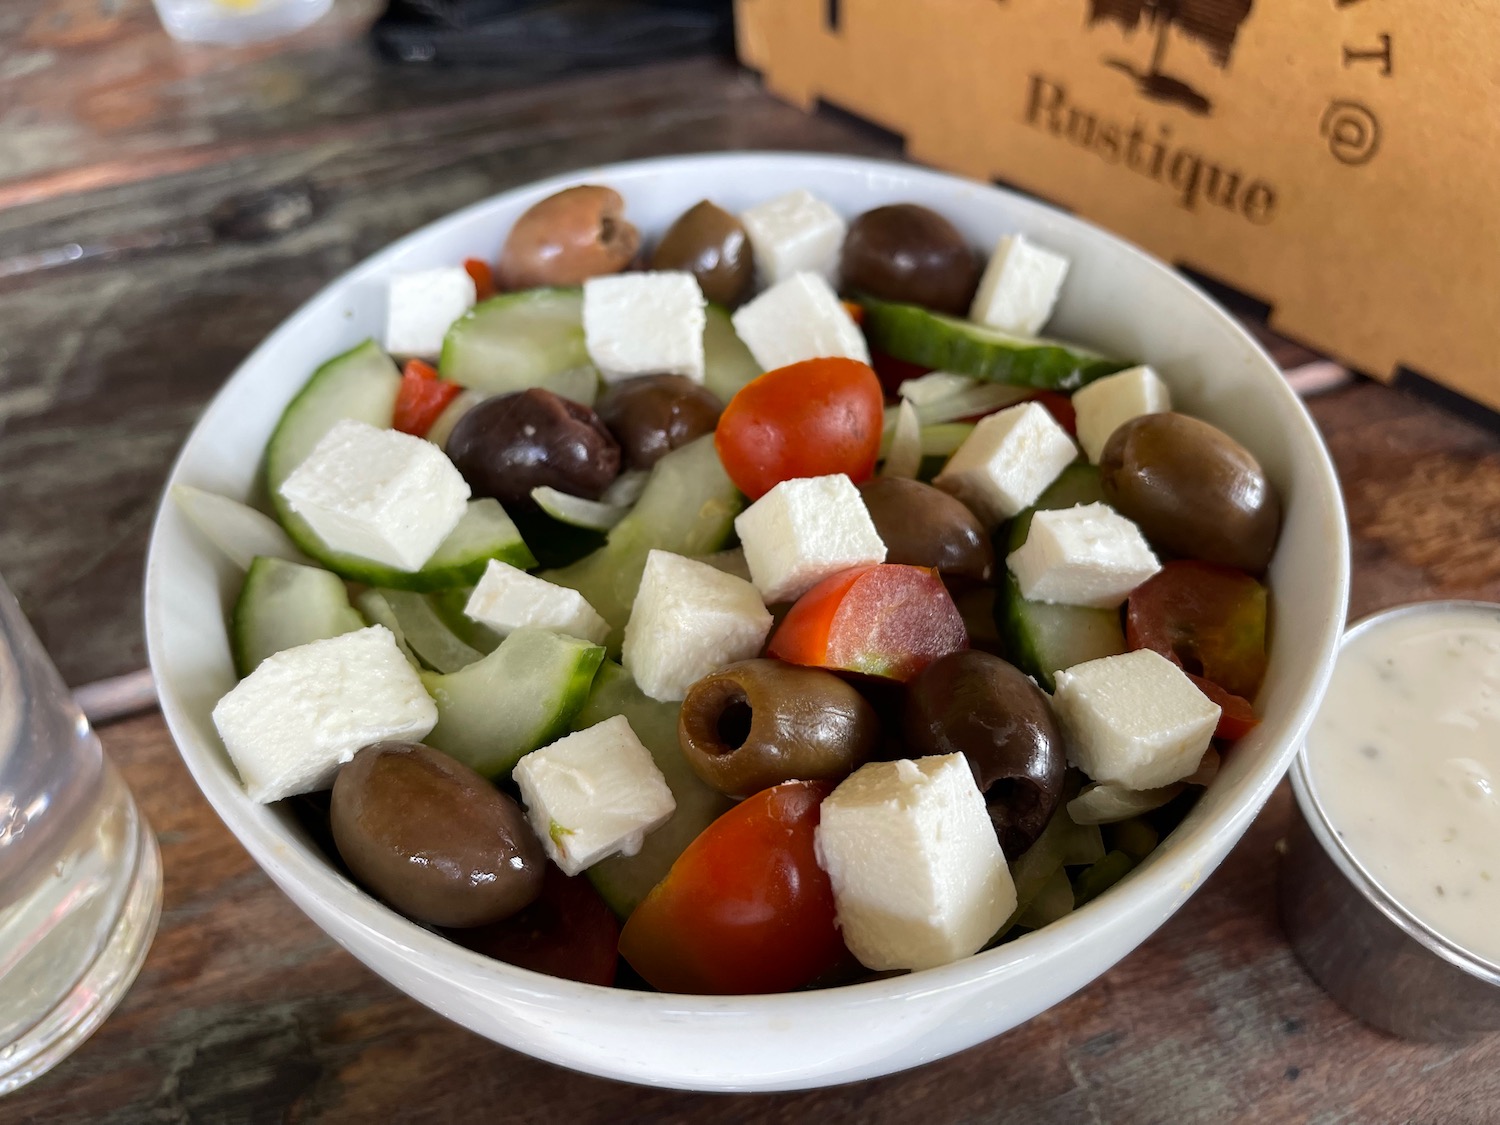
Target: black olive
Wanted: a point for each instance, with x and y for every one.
(654, 414)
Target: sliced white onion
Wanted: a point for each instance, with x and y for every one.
(934, 387)
(1105, 802)
(983, 398)
(627, 488)
(575, 510)
(905, 455)
(462, 403)
(236, 529)
(944, 439)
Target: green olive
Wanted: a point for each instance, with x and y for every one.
(711, 244)
(977, 705)
(905, 252)
(758, 723)
(1193, 490)
(433, 838)
(567, 238)
(923, 526)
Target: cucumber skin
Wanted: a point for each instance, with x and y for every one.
(261, 580)
(943, 343)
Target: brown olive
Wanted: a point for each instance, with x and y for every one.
(711, 244)
(923, 526)
(1193, 489)
(567, 238)
(977, 705)
(904, 252)
(510, 444)
(758, 723)
(433, 838)
(654, 414)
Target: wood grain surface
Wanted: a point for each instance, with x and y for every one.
(245, 1011)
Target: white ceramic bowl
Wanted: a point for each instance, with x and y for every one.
(1116, 298)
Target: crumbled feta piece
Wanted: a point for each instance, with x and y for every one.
(1086, 555)
(796, 319)
(1007, 462)
(506, 598)
(421, 306)
(1106, 404)
(688, 620)
(378, 494)
(644, 324)
(1135, 719)
(793, 233)
(918, 876)
(1019, 287)
(593, 794)
(803, 531)
(290, 724)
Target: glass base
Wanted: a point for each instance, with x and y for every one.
(102, 986)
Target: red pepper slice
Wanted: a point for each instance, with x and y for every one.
(484, 277)
(421, 398)
(1237, 717)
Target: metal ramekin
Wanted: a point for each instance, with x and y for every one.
(1364, 948)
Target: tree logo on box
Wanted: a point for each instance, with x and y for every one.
(1213, 24)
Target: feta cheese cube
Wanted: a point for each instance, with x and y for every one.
(421, 306)
(1007, 462)
(644, 324)
(803, 531)
(1019, 287)
(593, 794)
(799, 318)
(793, 233)
(378, 494)
(507, 598)
(688, 620)
(1135, 719)
(1106, 404)
(290, 724)
(918, 876)
(1086, 555)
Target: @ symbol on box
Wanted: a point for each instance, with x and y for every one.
(1352, 131)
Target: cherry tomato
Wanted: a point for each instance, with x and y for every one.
(811, 419)
(1208, 619)
(421, 398)
(484, 278)
(746, 908)
(1237, 717)
(567, 932)
(886, 620)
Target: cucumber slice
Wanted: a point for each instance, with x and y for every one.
(285, 604)
(450, 605)
(1093, 881)
(945, 343)
(581, 384)
(236, 529)
(727, 362)
(463, 402)
(518, 698)
(377, 611)
(1043, 639)
(428, 634)
(1054, 900)
(688, 508)
(516, 340)
(622, 881)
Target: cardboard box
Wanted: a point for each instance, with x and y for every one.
(1336, 160)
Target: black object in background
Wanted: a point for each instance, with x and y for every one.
(549, 36)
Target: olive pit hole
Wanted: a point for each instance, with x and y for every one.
(733, 725)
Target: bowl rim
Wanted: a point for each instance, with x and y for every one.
(1187, 864)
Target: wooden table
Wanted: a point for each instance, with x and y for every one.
(244, 1010)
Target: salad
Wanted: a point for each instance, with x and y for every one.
(760, 611)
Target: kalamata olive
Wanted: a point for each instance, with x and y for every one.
(433, 838)
(510, 444)
(904, 252)
(654, 414)
(758, 723)
(924, 526)
(1193, 490)
(567, 238)
(977, 705)
(711, 244)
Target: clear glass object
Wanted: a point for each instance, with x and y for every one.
(80, 874)
(237, 21)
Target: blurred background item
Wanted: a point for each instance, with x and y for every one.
(237, 21)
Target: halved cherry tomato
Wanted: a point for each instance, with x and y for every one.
(1237, 717)
(421, 398)
(567, 932)
(888, 620)
(810, 419)
(484, 278)
(745, 908)
(1208, 619)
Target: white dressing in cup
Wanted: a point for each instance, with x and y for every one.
(1404, 758)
